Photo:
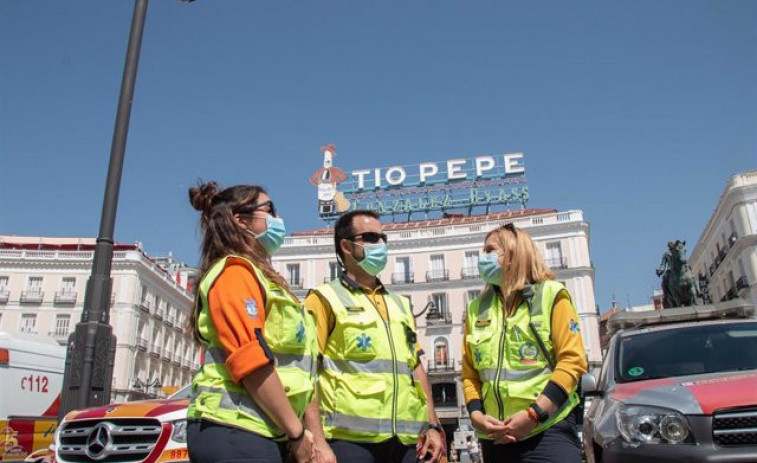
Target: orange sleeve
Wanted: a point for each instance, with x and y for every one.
(469, 375)
(237, 309)
(570, 361)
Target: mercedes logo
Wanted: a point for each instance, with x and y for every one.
(99, 442)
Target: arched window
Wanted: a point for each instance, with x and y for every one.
(441, 350)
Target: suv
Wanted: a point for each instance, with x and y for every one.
(146, 431)
(676, 384)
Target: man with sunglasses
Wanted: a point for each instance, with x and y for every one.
(372, 388)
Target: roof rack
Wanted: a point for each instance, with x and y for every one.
(736, 308)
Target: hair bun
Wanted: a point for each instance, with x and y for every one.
(201, 196)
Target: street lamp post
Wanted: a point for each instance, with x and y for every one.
(92, 346)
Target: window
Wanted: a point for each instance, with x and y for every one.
(444, 394)
(3, 283)
(438, 272)
(34, 285)
(402, 272)
(554, 257)
(333, 271)
(440, 302)
(441, 348)
(471, 294)
(28, 323)
(62, 324)
(293, 275)
(68, 285)
(470, 265)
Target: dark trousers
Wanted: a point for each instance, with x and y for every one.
(557, 444)
(210, 442)
(388, 451)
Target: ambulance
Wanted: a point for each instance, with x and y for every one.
(31, 378)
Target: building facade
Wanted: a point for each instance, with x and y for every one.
(435, 264)
(42, 286)
(725, 257)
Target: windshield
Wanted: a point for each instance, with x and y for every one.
(183, 393)
(687, 351)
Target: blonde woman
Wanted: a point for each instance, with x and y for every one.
(523, 356)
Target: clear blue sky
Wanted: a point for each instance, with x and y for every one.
(635, 112)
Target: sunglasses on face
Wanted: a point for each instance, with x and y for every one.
(267, 207)
(369, 237)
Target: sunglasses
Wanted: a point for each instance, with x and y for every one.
(256, 207)
(510, 226)
(369, 237)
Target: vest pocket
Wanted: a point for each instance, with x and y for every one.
(295, 329)
(298, 388)
(360, 333)
(481, 348)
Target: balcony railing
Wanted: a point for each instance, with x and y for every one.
(155, 350)
(168, 321)
(403, 278)
(742, 283)
(557, 262)
(295, 284)
(59, 335)
(167, 355)
(144, 306)
(65, 297)
(444, 318)
(159, 314)
(4, 296)
(437, 275)
(28, 329)
(441, 367)
(468, 273)
(142, 344)
(32, 297)
(177, 360)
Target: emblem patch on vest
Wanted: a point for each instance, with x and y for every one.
(252, 307)
(364, 341)
(301, 332)
(528, 353)
(575, 328)
(478, 355)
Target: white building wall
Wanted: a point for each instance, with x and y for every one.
(174, 356)
(726, 253)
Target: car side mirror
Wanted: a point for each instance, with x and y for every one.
(589, 386)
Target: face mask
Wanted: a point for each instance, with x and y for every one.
(273, 236)
(375, 258)
(489, 268)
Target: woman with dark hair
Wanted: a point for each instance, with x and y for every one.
(522, 356)
(259, 345)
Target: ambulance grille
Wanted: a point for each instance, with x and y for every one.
(734, 428)
(108, 441)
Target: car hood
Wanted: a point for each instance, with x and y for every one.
(692, 395)
(141, 409)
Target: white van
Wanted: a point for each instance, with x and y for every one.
(31, 378)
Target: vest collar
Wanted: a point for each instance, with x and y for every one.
(353, 285)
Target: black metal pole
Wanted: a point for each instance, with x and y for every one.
(91, 347)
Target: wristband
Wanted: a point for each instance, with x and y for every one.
(436, 427)
(540, 413)
(299, 436)
(532, 415)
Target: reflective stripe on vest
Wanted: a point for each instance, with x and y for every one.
(303, 362)
(373, 425)
(490, 374)
(233, 400)
(374, 366)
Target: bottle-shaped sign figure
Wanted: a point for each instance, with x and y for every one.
(330, 200)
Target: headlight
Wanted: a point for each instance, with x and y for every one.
(179, 431)
(652, 425)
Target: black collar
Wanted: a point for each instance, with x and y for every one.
(353, 285)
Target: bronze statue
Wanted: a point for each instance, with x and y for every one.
(679, 288)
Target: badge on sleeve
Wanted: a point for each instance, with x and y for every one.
(252, 307)
(574, 327)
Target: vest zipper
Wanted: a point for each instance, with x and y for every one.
(394, 362)
(502, 338)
